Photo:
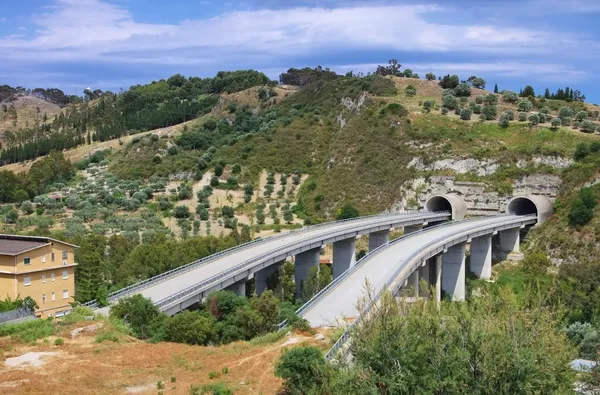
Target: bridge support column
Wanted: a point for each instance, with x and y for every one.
(481, 257)
(343, 256)
(510, 240)
(437, 277)
(425, 275)
(261, 277)
(413, 282)
(453, 272)
(239, 288)
(377, 239)
(302, 264)
(412, 228)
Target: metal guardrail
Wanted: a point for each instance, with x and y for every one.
(243, 265)
(346, 335)
(195, 264)
(7, 316)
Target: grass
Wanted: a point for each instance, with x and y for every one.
(29, 331)
(268, 338)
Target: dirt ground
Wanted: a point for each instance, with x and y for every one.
(82, 366)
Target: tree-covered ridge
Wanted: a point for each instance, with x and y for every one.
(52, 95)
(140, 108)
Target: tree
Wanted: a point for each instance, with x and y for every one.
(495, 88)
(588, 126)
(565, 113)
(138, 312)
(449, 82)
(410, 91)
(347, 211)
(449, 101)
(547, 94)
(581, 115)
(218, 170)
(581, 151)
(214, 181)
(190, 327)
(509, 97)
(303, 370)
(181, 212)
(525, 105)
(11, 217)
(430, 76)
(580, 214)
(479, 83)
(27, 207)
(534, 119)
(20, 196)
(407, 73)
(528, 92)
(428, 105)
(489, 112)
(490, 99)
(286, 285)
(227, 211)
(504, 121)
(465, 114)
(556, 123)
(462, 90)
(288, 216)
(393, 68)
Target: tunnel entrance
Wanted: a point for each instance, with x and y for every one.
(522, 206)
(438, 203)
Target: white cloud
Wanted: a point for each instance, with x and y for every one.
(93, 30)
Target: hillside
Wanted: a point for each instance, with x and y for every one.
(22, 113)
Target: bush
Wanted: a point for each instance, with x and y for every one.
(556, 123)
(410, 91)
(444, 111)
(428, 105)
(59, 341)
(449, 101)
(565, 113)
(536, 263)
(522, 116)
(509, 97)
(430, 76)
(190, 327)
(227, 211)
(462, 90)
(525, 105)
(11, 217)
(27, 207)
(534, 119)
(489, 112)
(581, 151)
(588, 126)
(581, 116)
(214, 181)
(545, 110)
(504, 121)
(490, 99)
(580, 214)
(479, 100)
(303, 370)
(465, 114)
(347, 211)
(542, 117)
(510, 114)
(181, 212)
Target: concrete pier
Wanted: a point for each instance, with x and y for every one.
(262, 276)
(302, 264)
(377, 239)
(412, 228)
(343, 256)
(453, 272)
(481, 257)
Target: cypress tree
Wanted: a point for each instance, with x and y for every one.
(495, 88)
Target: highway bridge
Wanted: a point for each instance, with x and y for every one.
(182, 287)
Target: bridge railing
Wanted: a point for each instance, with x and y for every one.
(194, 288)
(199, 262)
(414, 256)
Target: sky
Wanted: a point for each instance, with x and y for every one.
(113, 44)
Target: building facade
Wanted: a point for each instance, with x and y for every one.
(41, 268)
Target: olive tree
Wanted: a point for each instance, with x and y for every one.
(556, 123)
(509, 97)
(525, 105)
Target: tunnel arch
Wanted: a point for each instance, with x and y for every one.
(523, 205)
(453, 203)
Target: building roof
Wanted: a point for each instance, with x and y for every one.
(15, 245)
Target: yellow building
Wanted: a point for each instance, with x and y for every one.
(41, 268)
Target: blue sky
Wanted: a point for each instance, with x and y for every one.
(113, 44)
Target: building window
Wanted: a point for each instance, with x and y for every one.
(65, 274)
(43, 279)
(43, 298)
(66, 294)
(27, 281)
(52, 257)
(44, 258)
(53, 297)
(65, 254)
(52, 276)
(27, 261)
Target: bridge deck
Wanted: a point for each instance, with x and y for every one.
(178, 282)
(338, 305)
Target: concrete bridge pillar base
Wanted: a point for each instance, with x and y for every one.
(510, 240)
(481, 257)
(377, 239)
(436, 278)
(413, 283)
(412, 228)
(302, 264)
(343, 256)
(425, 277)
(453, 272)
(261, 277)
(239, 288)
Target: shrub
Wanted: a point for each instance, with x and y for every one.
(218, 170)
(479, 100)
(428, 105)
(490, 99)
(536, 263)
(227, 211)
(444, 111)
(489, 112)
(20, 196)
(190, 327)
(595, 146)
(214, 181)
(462, 90)
(11, 217)
(181, 212)
(556, 123)
(59, 341)
(580, 214)
(581, 151)
(347, 211)
(202, 165)
(510, 114)
(303, 370)
(449, 101)
(588, 126)
(534, 119)
(522, 116)
(525, 105)
(27, 207)
(430, 76)
(138, 312)
(410, 91)
(509, 97)
(465, 114)
(236, 169)
(581, 116)
(504, 121)
(545, 110)
(565, 113)
(542, 117)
